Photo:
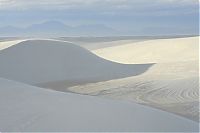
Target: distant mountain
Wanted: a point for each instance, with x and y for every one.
(55, 28)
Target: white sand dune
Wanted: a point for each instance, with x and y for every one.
(180, 96)
(7, 44)
(99, 45)
(154, 51)
(46, 61)
(171, 84)
(27, 108)
(165, 77)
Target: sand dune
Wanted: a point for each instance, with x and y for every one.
(93, 45)
(171, 84)
(49, 62)
(7, 44)
(180, 96)
(99, 45)
(28, 108)
(154, 51)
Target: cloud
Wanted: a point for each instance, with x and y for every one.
(122, 14)
(84, 4)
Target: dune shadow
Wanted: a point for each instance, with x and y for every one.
(122, 71)
(56, 63)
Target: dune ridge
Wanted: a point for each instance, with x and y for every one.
(7, 44)
(46, 61)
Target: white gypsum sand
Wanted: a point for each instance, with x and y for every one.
(48, 61)
(25, 108)
(153, 51)
(7, 44)
(171, 84)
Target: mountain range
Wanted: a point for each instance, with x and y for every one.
(56, 28)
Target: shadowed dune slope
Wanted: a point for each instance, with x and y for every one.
(27, 108)
(43, 61)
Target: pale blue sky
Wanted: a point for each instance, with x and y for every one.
(130, 16)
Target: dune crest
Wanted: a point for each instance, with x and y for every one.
(46, 61)
(7, 44)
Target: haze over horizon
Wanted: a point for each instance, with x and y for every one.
(138, 17)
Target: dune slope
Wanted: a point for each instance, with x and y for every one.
(172, 84)
(28, 108)
(46, 61)
(7, 44)
(154, 51)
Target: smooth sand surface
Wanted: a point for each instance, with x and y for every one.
(25, 108)
(154, 51)
(171, 84)
(46, 61)
(7, 44)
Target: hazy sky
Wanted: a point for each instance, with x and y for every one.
(133, 16)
